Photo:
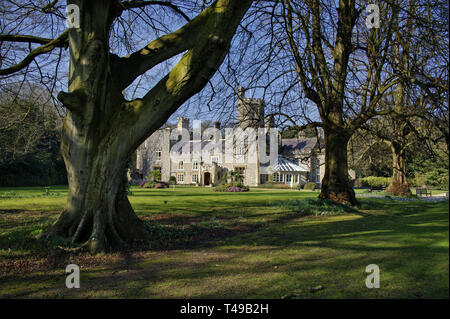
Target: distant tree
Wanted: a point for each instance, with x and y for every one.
(415, 63)
(340, 65)
(30, 133)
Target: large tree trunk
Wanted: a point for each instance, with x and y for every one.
(95, 152)
(335, 183)
(98, 211)
(101, 129)
(398, 184)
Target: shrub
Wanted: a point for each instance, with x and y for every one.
(161, 185)
(375, 181)
(310, 185)
(172, 180)
(154, 175)
(398, 189)
(219, 188)
(226, 188)
(150, 184)
(235, 189)
(432, 178)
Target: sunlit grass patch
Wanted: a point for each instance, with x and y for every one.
(238, 245)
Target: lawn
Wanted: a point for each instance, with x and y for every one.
(234, 245)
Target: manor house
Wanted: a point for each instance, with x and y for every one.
(300, 159)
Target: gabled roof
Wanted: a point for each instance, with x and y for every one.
(285, 165)
(302, 145)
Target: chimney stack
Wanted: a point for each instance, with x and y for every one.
(183, 123)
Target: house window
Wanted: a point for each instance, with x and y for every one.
(241, 170)
(194, 178)
(195, 165)
(215, 159)
(158, 155)
(288, 177)
(180, 165)
(263, 178)
(276, 177)
(180, 178)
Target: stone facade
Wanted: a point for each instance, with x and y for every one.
(154, 153)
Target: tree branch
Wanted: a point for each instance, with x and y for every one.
(29, 39)
(190, 75)
(58, 42)
(140, 4)
(131, 66)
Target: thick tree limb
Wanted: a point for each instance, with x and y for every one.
(196, 67)
(161, 49)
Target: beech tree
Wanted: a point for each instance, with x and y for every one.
(340, 65)
(421, 65)
(102, 128)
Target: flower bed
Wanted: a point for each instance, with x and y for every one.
(222, 188)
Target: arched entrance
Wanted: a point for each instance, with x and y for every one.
(207, 178)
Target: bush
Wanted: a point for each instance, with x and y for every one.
(310, 185)
(226, 188)
(375, 181)
(433, 178)
(161, 185)
(220, 188)
(150, 184)
(398, 189)
(172, 180)
(154, 175)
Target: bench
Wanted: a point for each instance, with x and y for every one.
(376, 188)
(422, 191)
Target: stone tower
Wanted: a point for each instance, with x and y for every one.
(250, 110)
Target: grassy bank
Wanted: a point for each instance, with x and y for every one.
(235, 245)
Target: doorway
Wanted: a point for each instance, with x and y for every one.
(207, 178)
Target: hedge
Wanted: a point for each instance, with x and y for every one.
(375, 181)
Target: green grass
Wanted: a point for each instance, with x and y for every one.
(236, 245)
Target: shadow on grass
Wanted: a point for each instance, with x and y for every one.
(289, 254)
